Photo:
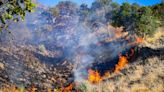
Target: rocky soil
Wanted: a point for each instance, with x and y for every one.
(19, 65)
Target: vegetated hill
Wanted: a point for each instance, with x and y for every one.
(37, 57)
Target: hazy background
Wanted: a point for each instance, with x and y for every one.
(89, 2)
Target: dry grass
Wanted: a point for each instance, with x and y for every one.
(154, 41)
(12, 88)
(138, 77)
(156, 36)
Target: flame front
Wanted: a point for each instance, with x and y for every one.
(94, 76)
(139, 40)
(69, 88)
(121, 63)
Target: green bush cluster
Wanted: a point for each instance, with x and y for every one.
(14, 10)
(136, 19)
(142, 20)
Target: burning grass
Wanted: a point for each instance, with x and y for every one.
(94, 76)
(14, 88)
(121, 64)
(69, 88)
(137, 77)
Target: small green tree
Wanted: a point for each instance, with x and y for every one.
(14, 10)
(146, 25)
(158, 11)
(136, 19)
(121, 17)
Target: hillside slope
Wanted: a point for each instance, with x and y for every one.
(144, 73)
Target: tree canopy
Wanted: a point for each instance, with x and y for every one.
(14, 10)
(142, 20)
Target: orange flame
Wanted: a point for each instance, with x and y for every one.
(49, 90)
(69, 88)
(14, 89)
(94, 76)
(33, 89)
(121, 63)
(139, 40)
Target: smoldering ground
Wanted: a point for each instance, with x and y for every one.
(80, 42)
